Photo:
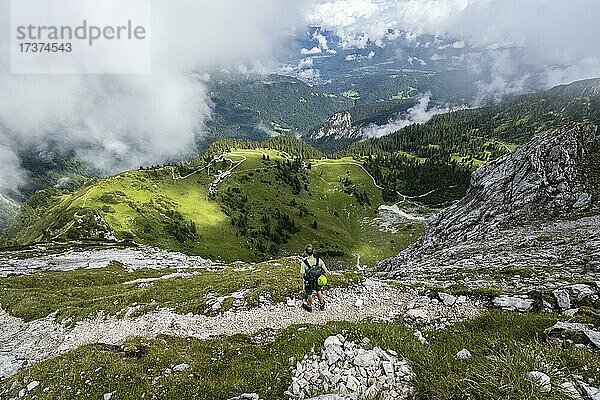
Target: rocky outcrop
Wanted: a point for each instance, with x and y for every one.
(338, 126)
(534, 211)
(345, 370)
(540, 180)
(43, 258)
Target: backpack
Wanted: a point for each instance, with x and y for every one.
(313, 272)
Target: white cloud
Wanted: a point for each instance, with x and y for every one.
(557, 35)
(413, 60)
(419, 114)
(313, 51)
(305, 63)
(322, 40)
(121, 121)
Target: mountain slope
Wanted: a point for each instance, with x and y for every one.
(249, 204)
(532, 213)
(455, 143)
(8, 210)
(257, 107)
(348, 126)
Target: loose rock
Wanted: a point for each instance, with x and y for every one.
(463, 354)
(541, 380)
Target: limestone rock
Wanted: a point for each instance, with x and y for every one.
(522, 209)
(581, 291)
(246, 396)
(447, 299)
(513, 303)
(541, 380)
(561, 327)
(593, 337)
(570, 390)
(590, 392)
(180, 367)
(562, 299)
(463, 354)
(347, 371)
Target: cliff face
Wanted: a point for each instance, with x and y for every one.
(538, 206)
(338, 126)
(545, 179)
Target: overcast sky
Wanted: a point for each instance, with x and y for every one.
(131, 120)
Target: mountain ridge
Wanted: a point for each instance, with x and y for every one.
(537, 206)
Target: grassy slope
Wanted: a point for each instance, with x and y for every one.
(504, 347)
(82, 293)
(140, 204)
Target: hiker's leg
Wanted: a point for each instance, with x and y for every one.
(309, 299)
(320, 296)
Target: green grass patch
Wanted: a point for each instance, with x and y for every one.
(504, 345)
(464, 290)
(264, 209)
(82, 293)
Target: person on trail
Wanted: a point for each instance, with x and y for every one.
(311, 269)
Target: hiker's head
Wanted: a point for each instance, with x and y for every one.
(309, 249)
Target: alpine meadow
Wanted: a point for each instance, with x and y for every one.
(318, 200)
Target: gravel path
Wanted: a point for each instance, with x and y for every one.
(24, 343)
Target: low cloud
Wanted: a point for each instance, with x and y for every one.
(556, 38)
(419, 114)
(117, 122)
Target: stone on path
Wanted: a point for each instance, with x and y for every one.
(447, 299)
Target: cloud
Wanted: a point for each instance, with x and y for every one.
(303, 71)
(305, 63)
(419, 114)
(121, 121)
(555, 36)
(458, 44)
(313, 51)
(10, 173)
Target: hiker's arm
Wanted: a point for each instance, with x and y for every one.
(325, 268)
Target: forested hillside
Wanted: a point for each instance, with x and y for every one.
(290, 145)
(438, 155)
(257, 107)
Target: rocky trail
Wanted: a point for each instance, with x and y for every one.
(23, 343)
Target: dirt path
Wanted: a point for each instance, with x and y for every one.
(23, 343)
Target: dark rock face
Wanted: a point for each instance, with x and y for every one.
(535, 209)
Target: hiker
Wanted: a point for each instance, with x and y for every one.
(311, 269)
